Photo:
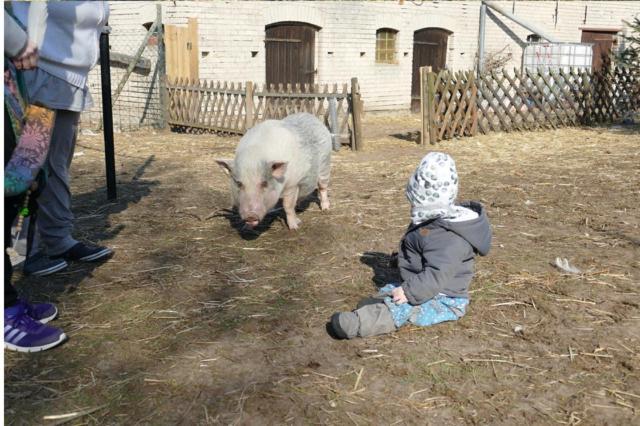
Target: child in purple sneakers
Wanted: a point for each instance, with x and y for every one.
(25, 325)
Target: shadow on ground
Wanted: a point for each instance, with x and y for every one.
(408, 136)
(92, 224)
(275, 214)
(385, 267)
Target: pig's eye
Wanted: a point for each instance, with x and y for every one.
(264, 184)
(239, 184)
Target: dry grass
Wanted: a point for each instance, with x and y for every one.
(194, 322)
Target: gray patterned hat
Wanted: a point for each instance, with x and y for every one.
(433, 188)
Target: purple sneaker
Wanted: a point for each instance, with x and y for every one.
(24, 334)
(41, 312)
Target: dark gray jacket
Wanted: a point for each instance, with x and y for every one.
(438, 256)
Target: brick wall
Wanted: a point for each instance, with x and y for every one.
(229, 31)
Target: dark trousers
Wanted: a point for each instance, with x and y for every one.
(11, 207)
(10, 212)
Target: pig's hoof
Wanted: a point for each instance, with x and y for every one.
(324, 205)
(294, 224)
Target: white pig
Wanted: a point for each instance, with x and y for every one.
(280, 159)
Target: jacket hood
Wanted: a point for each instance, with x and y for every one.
(476, 232)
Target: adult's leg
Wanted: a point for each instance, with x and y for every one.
(55, 219)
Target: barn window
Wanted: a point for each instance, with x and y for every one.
(533, 38)
(386, 45)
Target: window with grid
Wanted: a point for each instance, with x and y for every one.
(386, 45)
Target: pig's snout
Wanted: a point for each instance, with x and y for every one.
(252, 220)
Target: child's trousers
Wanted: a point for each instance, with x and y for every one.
(383, 316)
(374, 319)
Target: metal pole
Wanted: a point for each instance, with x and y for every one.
(107, 114)
(521, 22)
(483, 18)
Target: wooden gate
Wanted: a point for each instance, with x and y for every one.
(290, 53)
(604, 42)
(182, 52)
(429, 49)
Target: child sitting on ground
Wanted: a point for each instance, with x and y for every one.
(436, 257)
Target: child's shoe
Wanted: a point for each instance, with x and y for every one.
(24, 334)
(41, 312)
(345, 324)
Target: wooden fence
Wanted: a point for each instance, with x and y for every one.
(236, 107)
(461, 104)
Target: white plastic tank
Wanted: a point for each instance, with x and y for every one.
(556, 56)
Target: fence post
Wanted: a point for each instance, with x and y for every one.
(587, 81)
(249, 107)
(422, 108)
(474, 104)
(333, 123)
(162, 70)
(428, 94)
(356, 110)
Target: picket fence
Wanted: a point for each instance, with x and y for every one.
(234, 107)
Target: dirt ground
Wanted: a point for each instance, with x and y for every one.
(195, 322)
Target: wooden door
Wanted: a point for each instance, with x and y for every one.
(290, 53)
(429, 49)
(603, 43)
(181, 50)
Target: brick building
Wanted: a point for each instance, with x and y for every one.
(377, 42)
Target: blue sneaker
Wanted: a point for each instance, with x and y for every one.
(24, 334)
(40, 265)
(85, 253)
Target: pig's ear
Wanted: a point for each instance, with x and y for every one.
(278, 168)
(226, 165)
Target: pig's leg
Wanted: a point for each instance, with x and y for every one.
(323, 184)
(324, 195)
(289, 201)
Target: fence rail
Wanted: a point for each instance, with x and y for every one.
(234, 107)
(461, 104)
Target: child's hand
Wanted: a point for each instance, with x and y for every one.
(398, 296)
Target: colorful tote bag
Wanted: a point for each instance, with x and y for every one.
(33, 128)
